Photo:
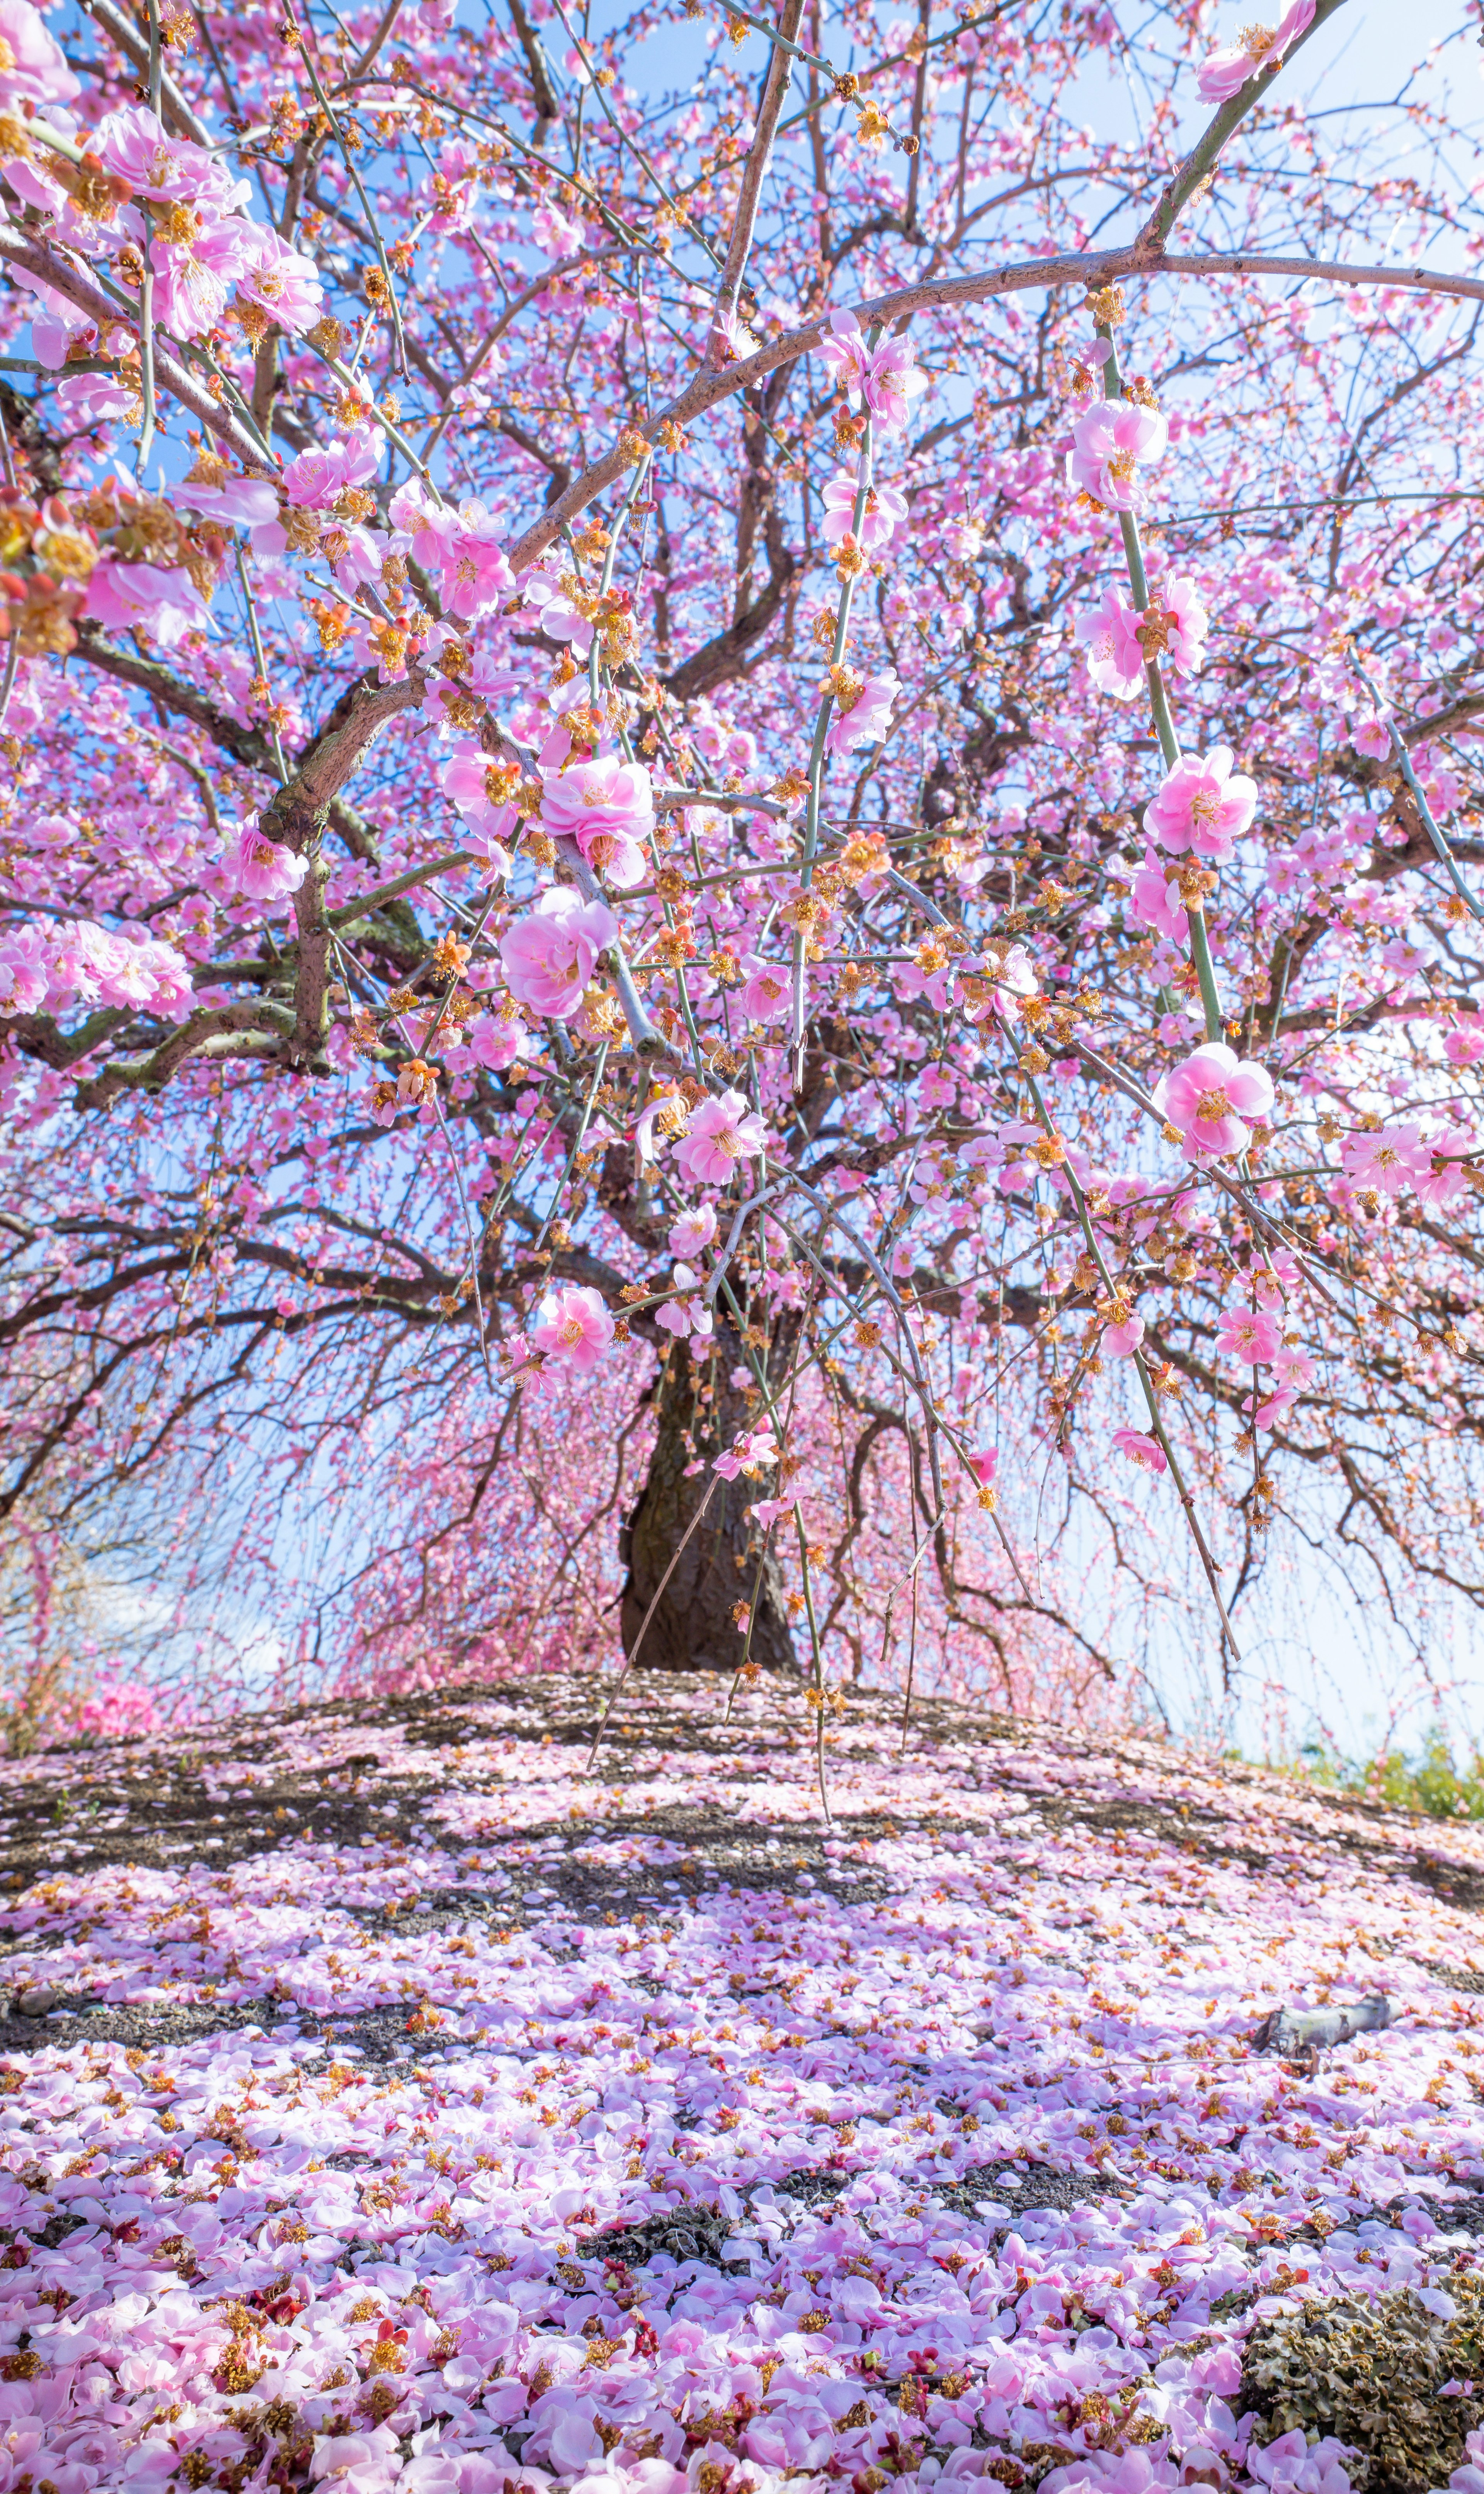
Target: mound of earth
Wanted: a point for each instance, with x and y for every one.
(387, 2102)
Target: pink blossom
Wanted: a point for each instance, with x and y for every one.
(549, 956)
(476, 578)
(1109, 635)
(693, 1231)
(1447, 1178)
(750, 1453)
(574, 1328)
(885, 511)
(317, 477)
(558, 234)
(722, 1132)
(55, 323)
(767, 988)
(687, 1312)
(1292, 1370)
(1109, 445)
(1224, 73)
(465, 779)
(91, 964)
(492, 1042)
(32, 70)
(1141, 1449)
(1250, 1335)
(284, 281)
(1185, 648)
(1122, 1335)
(1465, 1044)
(984, 1465)
(887, 377)
(238, 502)
(664, 1119)
(1290, 2464)
(607, 806)
(552, 607)
(92, 399)
(1154, 900)
(194, 277)
(1371, 738)
(1203, 804)
(424, 528)
(139, 598)
(1010, 977)
(1209, 1096)
(133, 143)
(263, 869)
(867, 718)
(1391, 1160)
(24, 973)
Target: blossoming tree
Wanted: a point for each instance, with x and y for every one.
(723, 730)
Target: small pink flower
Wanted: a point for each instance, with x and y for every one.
(1209, 1096)
(466, 778)
(265, 870)
(574, 1328)
(476, 578)
(686, 1314)
(885, 511)
(1373, 738)
(985, 1465)
(1204, 805)
(32, 70)
(133, 143)
(1464, 1046)
(558, 234)
(693, 1231)
(608, 807)
(767, 988)
(1012, 977)
(1109, 635)
(238, 502)
(551, 609)
(1447, 1178)
(1109, 443)
(24, 972)
(1141, 1449)
(283, 281)
(138, 596)
(750, 1453)
(1186, 645)
(1224, 74)
(661, 1122)
(867, 718)
(193, 278)
(549, 956)
(317, 477)
(1391, 1160)
(721, 1133)
(1155, 900)
(1250, 1335)
(1122, 1337)
(887, 377)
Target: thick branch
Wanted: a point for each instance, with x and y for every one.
(1090, 269)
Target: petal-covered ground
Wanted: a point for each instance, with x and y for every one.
(388, 2101)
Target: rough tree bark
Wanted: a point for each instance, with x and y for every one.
(693, 1628)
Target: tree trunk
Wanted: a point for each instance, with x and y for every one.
(693, 1628)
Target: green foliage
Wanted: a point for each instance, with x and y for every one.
(1373, 2374)
(1430, 1782)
